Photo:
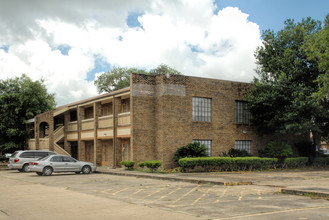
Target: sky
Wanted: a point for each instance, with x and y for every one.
(69, 44)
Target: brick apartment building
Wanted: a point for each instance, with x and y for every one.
(150, 120)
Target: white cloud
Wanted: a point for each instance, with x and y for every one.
(184, 34)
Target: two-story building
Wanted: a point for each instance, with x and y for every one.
(150, 120)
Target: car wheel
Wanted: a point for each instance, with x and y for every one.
(25, 168)
(86, 169)
(40, 173)
(47, 171)
(78, 172)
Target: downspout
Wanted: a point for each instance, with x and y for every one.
(114, 132)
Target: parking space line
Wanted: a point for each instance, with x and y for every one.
(223, 194)
(186, 194)
(203, 195)
(138, 191)
(120, 191)
(154, 192)
(241, 194)
(106, 190)
(164, 196)
(259, 194)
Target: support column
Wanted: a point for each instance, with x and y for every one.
(81, 144)
(97, 143)
(67, 145)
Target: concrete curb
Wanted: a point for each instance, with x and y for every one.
(172, 178)
(304, 193)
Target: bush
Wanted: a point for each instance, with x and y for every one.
(153, 165)
(321, 162)
(128, 164)
(276, 149)
(228, 163)
(295, 162)
(190, 150)
(236, 153)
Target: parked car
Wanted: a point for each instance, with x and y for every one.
(20, 159)
(60, 163)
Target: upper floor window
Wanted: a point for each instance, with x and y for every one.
(106, 109)
(73, 115)
(243, 145)
(201, 109)
(125, 107)
(89, 113)
(206, 143)
(242, 114)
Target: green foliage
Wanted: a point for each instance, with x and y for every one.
(276, 149)
(282, 99)
(317, 48)
(194, 149)
(321, 162)
(228, 163)
(20, 99)
(236, 153)
(119, 77)
(295, 162)
(141, 164)
(128, 164)
(153, 165)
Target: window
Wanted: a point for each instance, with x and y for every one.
(106, 109)
(243, 145)
(201, 109)
(125, 106)
(68, 159)
(27, 155)
(73, 116)
(207, 143)
(89, 113)
(242, 115)
(56, 159)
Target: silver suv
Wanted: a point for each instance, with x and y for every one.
(20, 159)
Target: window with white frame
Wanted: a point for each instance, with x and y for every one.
(242, 114)
(243, 145)
(201, 109)
(207, 143)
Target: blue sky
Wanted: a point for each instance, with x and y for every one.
(70, 44)
(271, 14)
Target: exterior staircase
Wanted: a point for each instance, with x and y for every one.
(58, 135)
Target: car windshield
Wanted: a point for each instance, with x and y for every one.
(14, 154)
(44, 158)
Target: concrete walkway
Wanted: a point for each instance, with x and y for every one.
(309, 182)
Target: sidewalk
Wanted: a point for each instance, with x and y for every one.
(306, 182)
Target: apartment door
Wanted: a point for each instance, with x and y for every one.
(105, 152)
(74, 149)
(89, 151)
(125, 149)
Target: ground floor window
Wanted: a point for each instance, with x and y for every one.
(243, 145)
(207, 143)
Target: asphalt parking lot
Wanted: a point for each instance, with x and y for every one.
(140, 198)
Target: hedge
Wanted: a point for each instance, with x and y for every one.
(128, 164)
(228, 163)
(321, 162)
(151, 164)
(295, 162)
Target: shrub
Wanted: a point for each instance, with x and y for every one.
(128, 164)
(141, 164)
(236, 153)
(276, 149)
(153, 165)
(228, 163)
(321, 161)
(295, 162)
(190, 150)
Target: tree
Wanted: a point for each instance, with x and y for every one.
(20, 99)
(317, 49)
(282, 98)
(119, 77)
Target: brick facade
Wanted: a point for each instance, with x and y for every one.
(158, 121)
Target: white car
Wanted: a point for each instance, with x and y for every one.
(60, 163)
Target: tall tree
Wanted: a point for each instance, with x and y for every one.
(282, 99)
(20, 99)
(119, 77)
(317, 49)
